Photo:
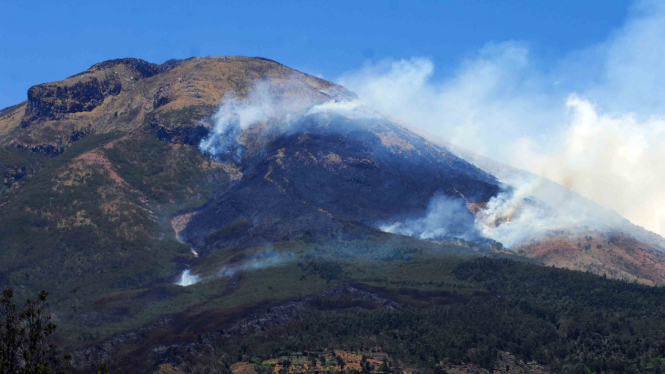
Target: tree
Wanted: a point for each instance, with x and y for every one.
(24, 337)
(103, 369)
(340, 362)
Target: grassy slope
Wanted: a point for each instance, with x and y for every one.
(111, 284)
(95, 219)
(214, 302)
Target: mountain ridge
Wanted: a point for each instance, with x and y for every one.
(109, 195)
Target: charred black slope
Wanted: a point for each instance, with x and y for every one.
(330, 174)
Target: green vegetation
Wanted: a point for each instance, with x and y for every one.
(462, 309)
(113, 252)
(571, 322)
(164, 172)
(71, 220)
(72, 223)
(26, 346)
(24, 338)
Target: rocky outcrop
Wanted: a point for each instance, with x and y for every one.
(191, 135)
(144, 69)
(48, 150)
(51, 101)
(86, 91)
(127, 94)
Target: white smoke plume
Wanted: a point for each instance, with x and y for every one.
(235, 115)
(538, 206)
(593, 121)
(260, 260)
(265, 107)
(445, 217)
(187, 279)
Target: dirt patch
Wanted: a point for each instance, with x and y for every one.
(604, 253)
(243, 368)
(96, 157)
(395, 142)
(180, 222)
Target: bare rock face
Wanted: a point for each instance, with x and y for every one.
(86, 91)
(48, 101)
(127, 94)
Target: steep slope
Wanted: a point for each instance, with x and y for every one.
(102, 173)
(328, 175)
(94, 168)
(594, 238)
(119, 179)
(334, 170)
(125, 94)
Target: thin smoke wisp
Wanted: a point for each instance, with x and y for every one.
(260, 260)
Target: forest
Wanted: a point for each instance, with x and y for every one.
(571, 322)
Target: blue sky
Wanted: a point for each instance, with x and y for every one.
(43, 41)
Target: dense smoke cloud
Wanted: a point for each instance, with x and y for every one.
(537, 206)
(592, 122)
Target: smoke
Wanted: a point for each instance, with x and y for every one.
(267, 111)
(616, 160)
(445, 218)
(258, 261)
(262, 106)
(187, 279)
(538, 206)
(592, 121)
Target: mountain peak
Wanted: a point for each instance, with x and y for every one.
(126, 94)
(148, 69)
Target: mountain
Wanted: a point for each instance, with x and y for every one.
(172, 209)
(102, 174)
(334, 171)
(601, 241)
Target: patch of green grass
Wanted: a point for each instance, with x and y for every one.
(166, 174)
(43, 246)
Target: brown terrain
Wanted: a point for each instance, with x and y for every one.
(612, 254)
(122, 95)
(326, 362)
(132, 100)
(106, 199)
